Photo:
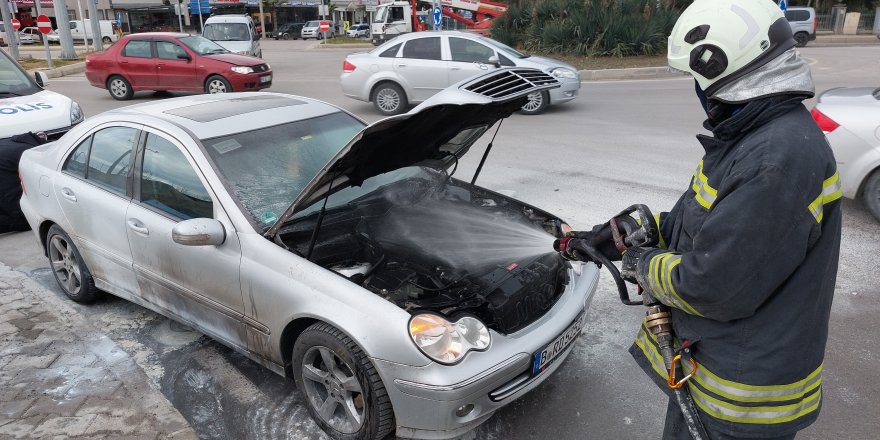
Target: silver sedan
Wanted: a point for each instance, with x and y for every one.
(413, 67)
(398, 298)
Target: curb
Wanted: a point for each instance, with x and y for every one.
(70, 69)
(632, 73)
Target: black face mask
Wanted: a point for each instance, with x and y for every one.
(704, 101)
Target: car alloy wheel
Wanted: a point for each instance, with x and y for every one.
(217, 84)
(537, 103)
(801, 38)
(871, 194)
(333, 388)
(119, 88)
(389, 99)
(68, 267)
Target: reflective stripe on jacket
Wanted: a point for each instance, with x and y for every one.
(749, 270)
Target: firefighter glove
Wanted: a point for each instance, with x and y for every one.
(630, 262)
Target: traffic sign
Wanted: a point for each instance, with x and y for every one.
(783, 4)
(44, 24)
(16, 24)
(325, 26)
(438, 14)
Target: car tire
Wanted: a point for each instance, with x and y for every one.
(68, 267)
(285, 36)
(871, 194)
(389, 99)
(119, 88)
(802, 38)
(106, 40)
(537, 103)
(347, 399)
(217, 84)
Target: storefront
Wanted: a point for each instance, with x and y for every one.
(26, 11)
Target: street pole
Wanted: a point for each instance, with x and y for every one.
(68, 52)
(201, 22)
(82, 19)
(180, 14)
(44, 37)
(97, 37)
(262, 20)
(11, 34)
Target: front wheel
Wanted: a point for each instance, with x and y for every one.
(217, 84)
(801, 38)
(119, 88)
(389, 99)
(68, 267)
(343, 391)
(285, 36)
(537, 103)
(871, 194)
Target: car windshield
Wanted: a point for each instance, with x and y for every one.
(226, 32)
(14, 81)
(515, 53)
(312, 24)
(202, 45)
(266, 169)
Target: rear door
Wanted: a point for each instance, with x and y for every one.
(173, 72)
(137, 63)
(421, 66)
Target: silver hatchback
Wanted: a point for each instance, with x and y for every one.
(332, 253)
(413, 67)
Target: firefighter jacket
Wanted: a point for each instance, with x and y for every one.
(11, 149)
(748, 262)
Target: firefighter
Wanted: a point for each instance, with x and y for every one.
(748, 256)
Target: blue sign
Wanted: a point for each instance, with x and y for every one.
(119, 19)
(438, 14)
(783, 4)
(194, 7)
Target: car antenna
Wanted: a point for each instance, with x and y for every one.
(320, 219)
(486, 153)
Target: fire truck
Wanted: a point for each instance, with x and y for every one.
(398, 17)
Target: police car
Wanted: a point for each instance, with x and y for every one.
(26, 107)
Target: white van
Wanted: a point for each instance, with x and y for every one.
(108, 30)
(236, 33)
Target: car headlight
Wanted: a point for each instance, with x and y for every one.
(562, 72)
(76, 114)
(448, 342)
(242, 69)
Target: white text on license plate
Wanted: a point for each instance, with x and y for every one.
(265, 79)
(544, 357)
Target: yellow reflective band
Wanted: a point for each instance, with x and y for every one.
(705, 195)
(832, 190)
(650, 352)
(756, 393)
(754, 414)
(660, 277)
(662, 243)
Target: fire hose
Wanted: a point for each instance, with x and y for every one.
(626, 232)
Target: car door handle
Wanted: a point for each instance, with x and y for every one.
(455, 68)
(401, 65)
(138, 226)
(68, 194)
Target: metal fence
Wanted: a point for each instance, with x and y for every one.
(823, 22)
(866, 21)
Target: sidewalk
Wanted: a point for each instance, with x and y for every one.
(61, 378)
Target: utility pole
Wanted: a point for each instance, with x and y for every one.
(44, 37)
(201, 22)
(85, 30)
(262, 20)
(68, 52)
(180, 14)
(97, 37)
(11, 34)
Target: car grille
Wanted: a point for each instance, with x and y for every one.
(261, 68)
(509, 82)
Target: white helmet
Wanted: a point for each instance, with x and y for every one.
(720, 41)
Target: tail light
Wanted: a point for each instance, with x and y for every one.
(21, 182)
(815, 24)
(348, 67)
(825, 123)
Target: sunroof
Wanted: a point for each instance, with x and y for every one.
(212, 111)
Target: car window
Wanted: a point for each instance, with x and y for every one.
(202, 45)
(13, 81)
(422, 48)
(226, 32)
(469, 51)
(168, 50)
(797, 15)
(391, 52)
(76, 162)
(72, 25)
(170, 184)
(505, 61)
(110, 158)
(137, 49)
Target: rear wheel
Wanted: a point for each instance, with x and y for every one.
(217, 84)
(389, 99)
(537, 103)
(342, 389)
(68, 267)
(119, 88)
(871, 194)
(106, 40)
(801, 38)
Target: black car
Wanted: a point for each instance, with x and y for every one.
(288, 31)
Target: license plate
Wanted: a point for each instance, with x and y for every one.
(546, 356)
(265, 79)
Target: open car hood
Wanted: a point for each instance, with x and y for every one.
(436, 133)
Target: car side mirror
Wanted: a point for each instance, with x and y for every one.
(199, 232)
(184, 56)
(41, 78)
(495, 61)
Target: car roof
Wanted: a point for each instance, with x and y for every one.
(157, 34)
(228, 19)
(210, 116)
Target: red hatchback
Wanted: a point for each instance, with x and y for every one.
(173, 61)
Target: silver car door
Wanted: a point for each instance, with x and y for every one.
(422, 68)
(199, 284)
(94, 191)
(467, 58)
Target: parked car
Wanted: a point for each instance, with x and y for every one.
(289, 31)
(236, 33)
(850, 118)
(83, 28)
(53, 36)
(25, 38)
(34, 32)
(360, 30)
(25, 105)
(803, 24)
(172, 61)
(413, 67)
(274, 223)
(312, 29)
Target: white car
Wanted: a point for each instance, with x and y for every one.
(850, 118)
(343, 256)
(360, 30)
(25, 106)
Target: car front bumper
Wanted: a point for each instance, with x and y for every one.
(250, 81)
(569, 90)
(439, 402)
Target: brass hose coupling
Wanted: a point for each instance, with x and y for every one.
(658, 320)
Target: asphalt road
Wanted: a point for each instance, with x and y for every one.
(619, 143)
